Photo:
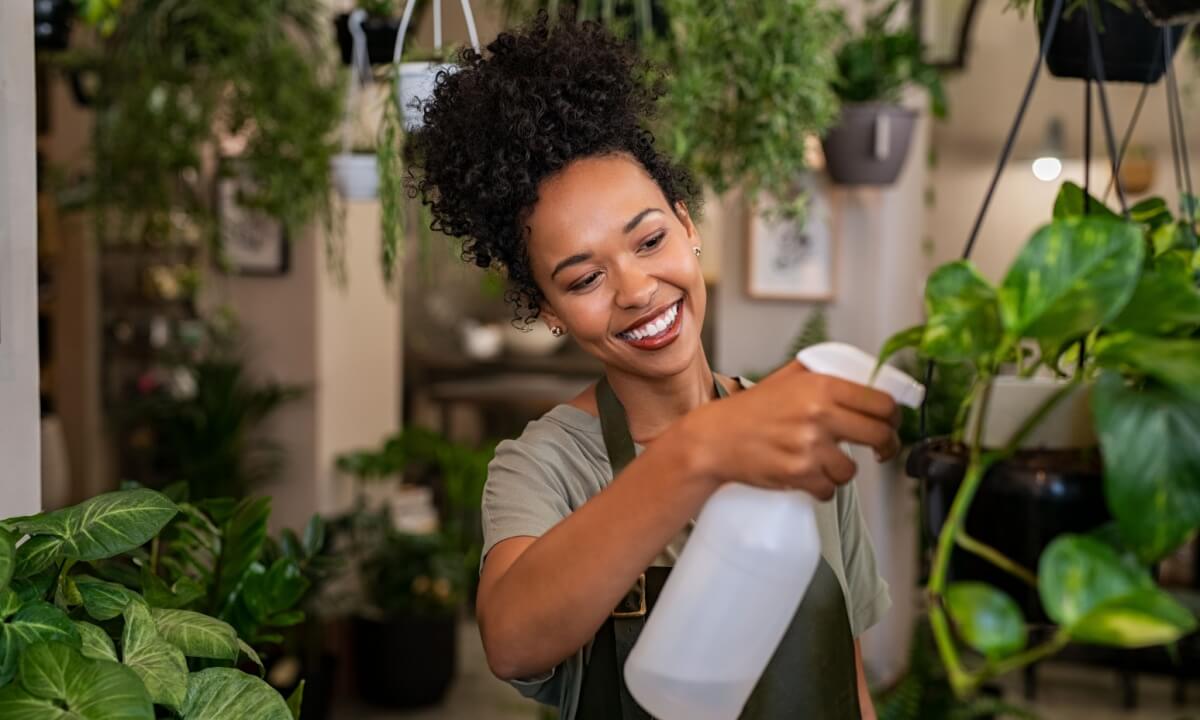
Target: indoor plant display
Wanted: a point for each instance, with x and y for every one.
(76, 645)
(1130, 44)
(1110, 307)
(870, 141)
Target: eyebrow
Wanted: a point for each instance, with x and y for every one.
(584, 257)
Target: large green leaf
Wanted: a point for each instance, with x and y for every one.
(10, 603)
(1070, 203)
(1150, 439)
(161, 666)
(103, 600)
(197, 635)
(906, 338)
(8, 552)
(96, 643)
(244, 535)
(278, 589)
(57, 682)
(105, 525)
(1175, 362)
(36, 554)
(215, 693)
(1072, 276)
(1151, 212)
(987, 619)
(1077, 574)
(1140, 620)
(295, 701)
(34, 622)
(1165, 300)
(962, 315)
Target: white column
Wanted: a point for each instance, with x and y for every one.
(20, 479)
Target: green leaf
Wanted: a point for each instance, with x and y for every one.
(1077, 574)
(987, 619)
(1141, 620)
(1165, 300)
(962, 315)
(10, 602)
(96, 643)
(1150, 440)
(105, 525)
(244, 534)
(104, 600)
(1070, 204)
(1152, 212)
(160, 665)
(35, 587)
(250, 653)
(1173, 362)
(58, 682)
(907, 338)
(278, 589)
(213, 692)
(1175, 236)
(314, 536)
(36, 554)
(295, 701)
(197, 635)
(1071, 277)
(8, 553)
(35, 622)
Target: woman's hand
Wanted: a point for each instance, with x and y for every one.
(783, 433)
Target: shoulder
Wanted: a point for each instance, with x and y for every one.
(562, 450)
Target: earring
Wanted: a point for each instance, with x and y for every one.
(557, 331)
(696, 250)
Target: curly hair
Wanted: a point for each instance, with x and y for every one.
(543, 96)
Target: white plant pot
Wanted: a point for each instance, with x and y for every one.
(537, 341)
(356, 175)
(416, 82)
(482, 342)
(1014, 399)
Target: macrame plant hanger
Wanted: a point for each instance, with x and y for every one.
(406, 18)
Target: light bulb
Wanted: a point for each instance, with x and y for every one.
(1047, 169)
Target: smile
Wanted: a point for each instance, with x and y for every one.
(657, 331)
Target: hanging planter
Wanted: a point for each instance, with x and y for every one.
(356, 175)
(869, 144)
(1130, 45)
(1171, 12)
(416, 80)
(380, 34)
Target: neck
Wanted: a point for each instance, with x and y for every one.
(653, 404)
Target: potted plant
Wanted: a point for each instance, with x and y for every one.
(870, 141)
(1108, 308)
(80, 645)
(379, 28)
(1130, 44)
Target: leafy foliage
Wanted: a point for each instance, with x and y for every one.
(1125, 302)
(136, 594)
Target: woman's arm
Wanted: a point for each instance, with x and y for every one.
(541, 599)
(866, 706)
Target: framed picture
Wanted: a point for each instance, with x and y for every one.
(790, 260)
(944, 27)
(252, 242)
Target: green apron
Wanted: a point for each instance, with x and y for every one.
(811, 676)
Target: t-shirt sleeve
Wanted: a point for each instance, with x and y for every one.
(524, 494)
(869, 596)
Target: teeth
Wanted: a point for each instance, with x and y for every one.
(654, 327)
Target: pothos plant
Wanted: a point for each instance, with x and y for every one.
(97, 618)
(1110, 303)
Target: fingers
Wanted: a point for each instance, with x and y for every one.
(836, 465)
(861, 399)
(860, 429)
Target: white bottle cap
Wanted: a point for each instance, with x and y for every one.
(850, 363)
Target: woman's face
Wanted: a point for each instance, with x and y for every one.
(616, 266)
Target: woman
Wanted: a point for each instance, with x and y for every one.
(537, 155)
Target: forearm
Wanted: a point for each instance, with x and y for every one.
(558, 592)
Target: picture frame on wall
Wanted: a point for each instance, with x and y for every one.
(789, 259)
(251, 241)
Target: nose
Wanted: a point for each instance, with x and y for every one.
(635, 287)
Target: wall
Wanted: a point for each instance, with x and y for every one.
(20, 489)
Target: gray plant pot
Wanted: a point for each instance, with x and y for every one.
(869, 144)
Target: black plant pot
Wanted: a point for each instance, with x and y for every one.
(381, 38)
(1130, 45)
(1171, 12)
(869, 144)
(405, 662)
(1022, 504)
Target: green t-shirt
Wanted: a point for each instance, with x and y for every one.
(559, 463)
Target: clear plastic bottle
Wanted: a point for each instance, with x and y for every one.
(739, 581)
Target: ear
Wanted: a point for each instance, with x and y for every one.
(547, 315)
(685, 218)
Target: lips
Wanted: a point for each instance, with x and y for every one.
(648, 317)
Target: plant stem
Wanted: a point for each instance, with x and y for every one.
(995, 557)
(1038, 416)
(1032, 655)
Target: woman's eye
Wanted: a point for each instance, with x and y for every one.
(654, 241)
(586, 282)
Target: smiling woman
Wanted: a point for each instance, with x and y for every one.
(537, 155)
